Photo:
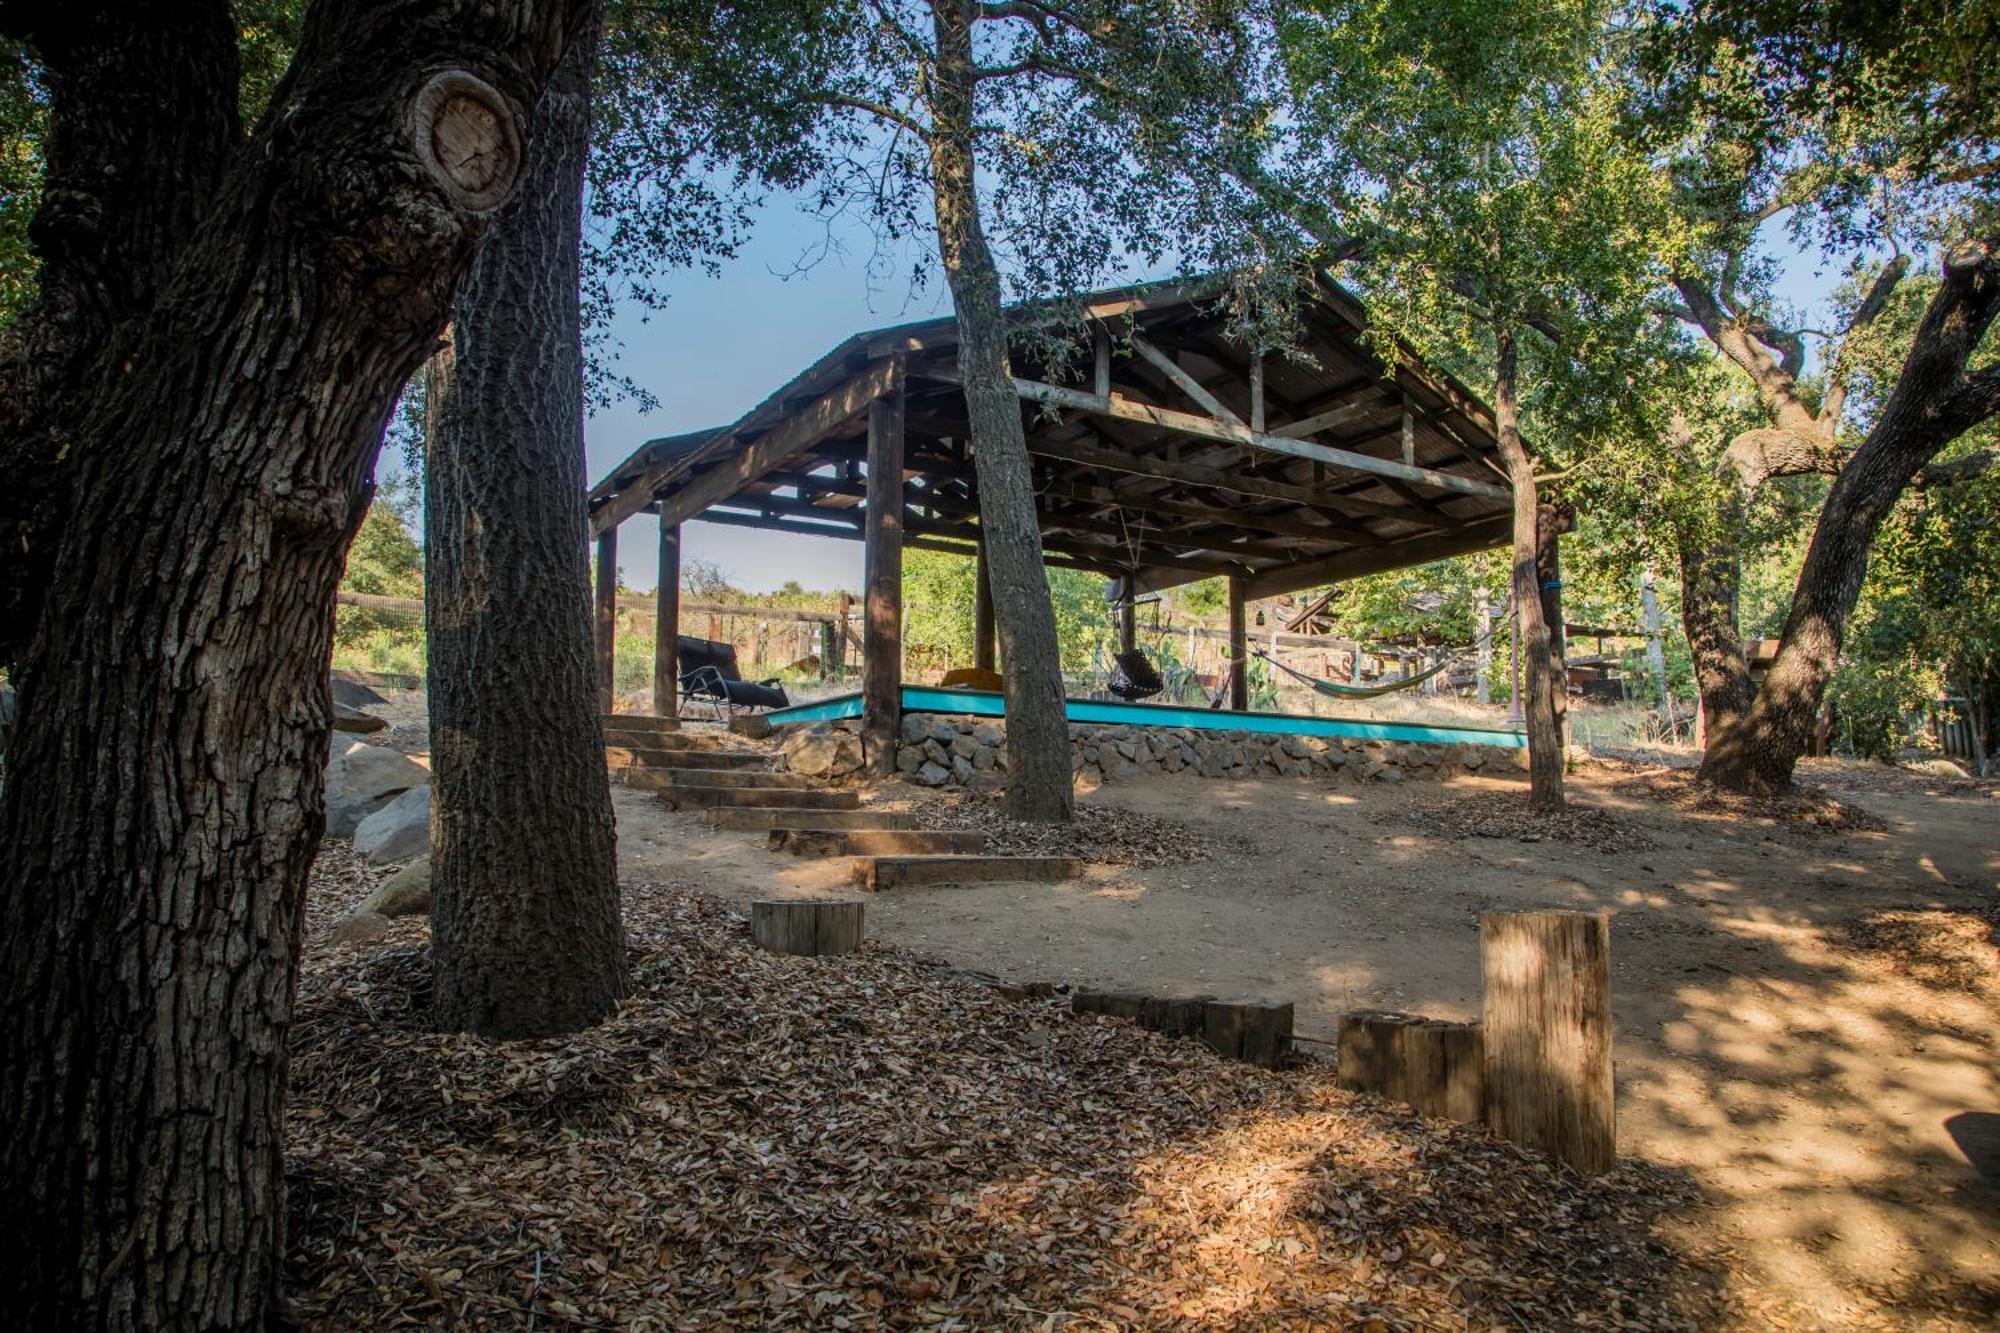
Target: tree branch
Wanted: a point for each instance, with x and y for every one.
(1958, 470)
(1871, 305)
(880, 110)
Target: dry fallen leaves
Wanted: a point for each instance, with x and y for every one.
(1103, 834)
(873, 1141)
(1508, 815)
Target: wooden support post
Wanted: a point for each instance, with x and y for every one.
(1547, 1009)
(1128, 617)
(811, 927)
(1239, 648)
(1409, 434)
(1100, 343)
(842, 609)
(607, 617)
(1257, 393)
(882, 628)
(983, 655)
(1483, 682)
(667, 625)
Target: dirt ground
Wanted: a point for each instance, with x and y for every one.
(1805, 1018)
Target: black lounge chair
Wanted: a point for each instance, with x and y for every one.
(708, 671)
(1135, 677)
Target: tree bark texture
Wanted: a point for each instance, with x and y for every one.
(1710, 572)
(145, 117)
(1551, 521)
(525, 932)
(1934, 401)
(1544, 688)
(165, 799)
(1038, 758)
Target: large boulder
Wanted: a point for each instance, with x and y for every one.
(398, 831)
(355, 721)
(352, 693)
(822, 751)
(361, 779)
(405, 893)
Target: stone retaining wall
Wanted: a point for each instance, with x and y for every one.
(943, 749)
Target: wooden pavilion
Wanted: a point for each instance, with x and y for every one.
(1171, 454)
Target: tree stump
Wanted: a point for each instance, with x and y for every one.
(1548, 1033)
(1258, 1031)
(1443, 1069)
(1371, 1052)
(809, 927)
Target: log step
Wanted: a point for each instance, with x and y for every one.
(742, 819)
(875, 842)
(639, 722)
(732, 759)
(632, 738)
(688, 796)
(621, 757)
(885, 872)
(654, 779)
(812, 928)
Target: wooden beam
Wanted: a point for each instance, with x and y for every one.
(1478, 536)
(1128, 617)
(882, 621)
(1239, 649)
(1207, 428)
(667, 625)
(777, 446)
(607, 615)
(1137, 465)
(1187, 383)
(1331, 419)
(1281, 525)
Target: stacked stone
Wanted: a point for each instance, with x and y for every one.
(942, 749)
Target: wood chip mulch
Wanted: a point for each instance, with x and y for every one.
(1804, 810)
(1942, 949)
(871, 1141)
(1508, 815)
(1102, 834)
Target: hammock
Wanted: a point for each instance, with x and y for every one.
(1333, 689)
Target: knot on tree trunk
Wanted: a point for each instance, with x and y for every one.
(468, 140)
(1756, 456)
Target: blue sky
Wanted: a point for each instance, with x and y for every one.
(720, 346)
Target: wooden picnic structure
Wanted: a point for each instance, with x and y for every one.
(1164, 451)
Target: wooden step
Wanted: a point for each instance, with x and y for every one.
(730, 759)
(639, 722)
(688, 796)
(626, 738)
(654, 779)
(744, 819)
(886, 872)
(876, 842)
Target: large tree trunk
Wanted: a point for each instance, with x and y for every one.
(122, 186)
(1934, 401)
(164, 800)
(1710, 571)
(1544, 686)
(525, 935)
(1038, 759)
